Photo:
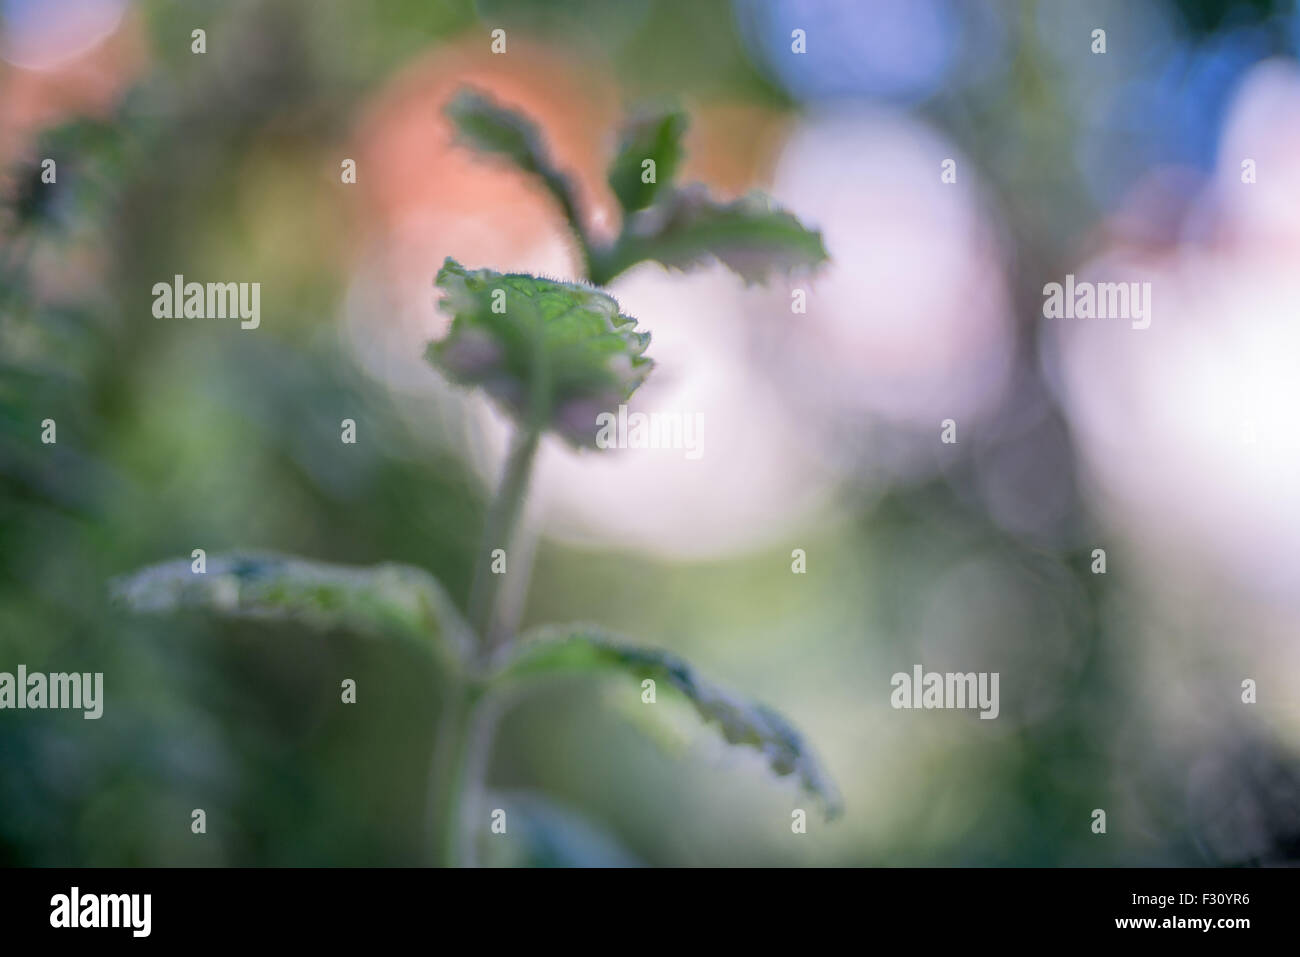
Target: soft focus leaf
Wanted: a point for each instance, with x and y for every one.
(751, 236)
(543, 833)
(655, 137)
(584, 649)
(389, 600)
(485, 125)
(554, 354)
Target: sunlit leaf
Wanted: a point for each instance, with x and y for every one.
(555, 354)
(584, 649)
(389, 600)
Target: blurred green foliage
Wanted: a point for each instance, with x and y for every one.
(172, 437)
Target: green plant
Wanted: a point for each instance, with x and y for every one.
(551, 354)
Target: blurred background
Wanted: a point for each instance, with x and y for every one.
(1176, 448)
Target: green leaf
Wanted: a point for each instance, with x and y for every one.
(656, 137)
(554, 354)
(544, 833)
(750, 236)
(389, 600)
(490, 128)
(584, 649)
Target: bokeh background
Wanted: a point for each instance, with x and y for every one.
(1176, 449)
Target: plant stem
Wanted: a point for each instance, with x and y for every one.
(460, 765)
(604, 263)
(498, 531)
(447, 782)
(469, 715)
(478, 751)
(465, 730)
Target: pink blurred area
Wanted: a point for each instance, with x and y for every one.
(1188, 428)
(431, 196)
(67, 60)
(911, 322)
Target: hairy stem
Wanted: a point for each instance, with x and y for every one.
(559, 187)
(605, 263)
(500, 526)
